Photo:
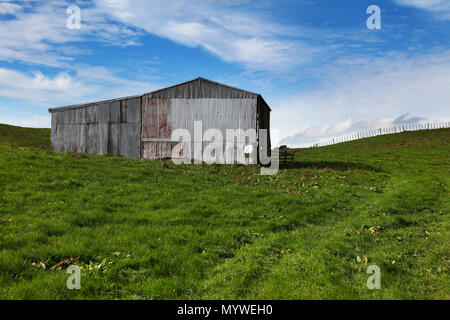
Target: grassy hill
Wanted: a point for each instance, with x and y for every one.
(154, 230)
(24, 137)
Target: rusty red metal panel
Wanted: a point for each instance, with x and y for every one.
(155, 118)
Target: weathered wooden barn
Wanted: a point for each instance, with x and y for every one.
(141, 126)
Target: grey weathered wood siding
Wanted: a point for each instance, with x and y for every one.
(112, 127)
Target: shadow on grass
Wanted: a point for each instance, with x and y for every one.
(333, 165)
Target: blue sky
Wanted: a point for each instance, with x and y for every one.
(322, 71)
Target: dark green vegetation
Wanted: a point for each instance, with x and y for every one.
(24, 137)
(154, 230)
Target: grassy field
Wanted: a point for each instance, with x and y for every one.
(154, 230)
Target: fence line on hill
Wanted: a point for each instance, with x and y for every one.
(383, 131)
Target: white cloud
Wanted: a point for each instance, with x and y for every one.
(38, 88)
(233, 35)
(381, 88)
(12, 78)
(440, 7)
(87, 84)
(9, 8)
(38, 33)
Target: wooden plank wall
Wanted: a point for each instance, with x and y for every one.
(106, 128)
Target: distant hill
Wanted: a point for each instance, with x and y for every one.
(24, 137)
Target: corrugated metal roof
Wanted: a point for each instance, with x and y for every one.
(201, 88)
(195, 88)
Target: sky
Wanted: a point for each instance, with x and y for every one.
(323, 72)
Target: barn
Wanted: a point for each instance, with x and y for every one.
(141, 126)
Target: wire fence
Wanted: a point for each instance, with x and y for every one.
(383, 131)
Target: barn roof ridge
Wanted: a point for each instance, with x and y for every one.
(206, 80)
(81, 105)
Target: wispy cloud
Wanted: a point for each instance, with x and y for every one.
(441, 8)
(87, 84)
(38, 34)
(235, 31)
(37, 87)
(239, 36)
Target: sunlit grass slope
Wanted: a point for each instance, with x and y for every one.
(154, 230)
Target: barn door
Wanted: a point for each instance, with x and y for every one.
(156, 129)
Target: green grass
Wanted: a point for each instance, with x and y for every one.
(24, 137)
(154, 230)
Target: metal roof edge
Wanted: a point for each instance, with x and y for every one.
(88, 104)
(81, 105)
